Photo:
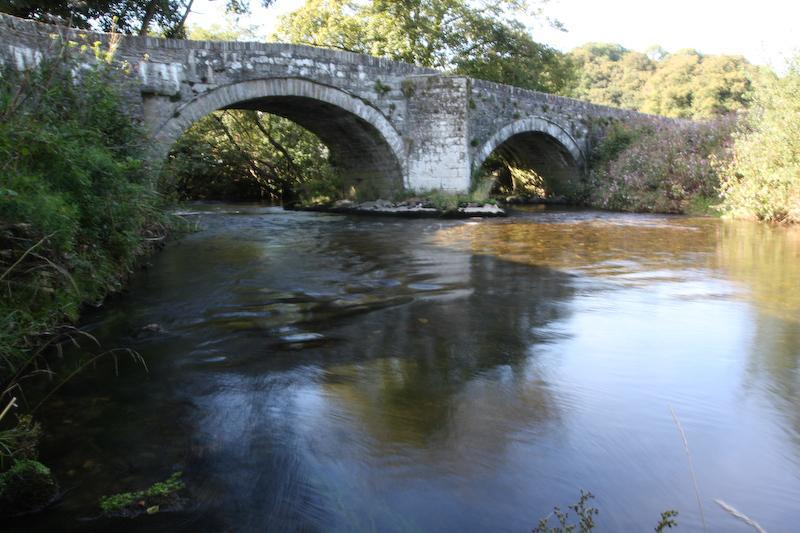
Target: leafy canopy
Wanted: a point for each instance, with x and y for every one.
(167, 17)
(481, 39)
(685, 84)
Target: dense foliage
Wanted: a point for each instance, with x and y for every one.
(659, 166)
(76, 209)
(762, 179)
(685, 84)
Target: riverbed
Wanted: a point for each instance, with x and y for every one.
(323, 372)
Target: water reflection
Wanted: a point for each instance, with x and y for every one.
(765, 261)
(635, 248)
(319, 372)
(416, 364)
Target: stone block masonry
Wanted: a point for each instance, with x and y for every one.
(437, 127)
(388, 125)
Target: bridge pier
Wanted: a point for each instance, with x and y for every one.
(437, 138)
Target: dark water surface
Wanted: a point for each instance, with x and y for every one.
(324, 372)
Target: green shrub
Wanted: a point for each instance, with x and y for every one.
(762, 179)
(443, 201)
(617, 137)
(585, 518)
(584, 513)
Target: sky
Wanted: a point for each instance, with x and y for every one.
(765, 31)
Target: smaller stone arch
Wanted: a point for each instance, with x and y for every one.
(529, 125)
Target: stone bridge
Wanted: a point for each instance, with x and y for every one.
(388, 125)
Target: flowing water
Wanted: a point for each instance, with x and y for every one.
(323, 372)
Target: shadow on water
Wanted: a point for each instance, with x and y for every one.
(299, 357)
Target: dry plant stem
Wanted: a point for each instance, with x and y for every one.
(691, 467)
(24, 255)
(11, 404)
(741, 516)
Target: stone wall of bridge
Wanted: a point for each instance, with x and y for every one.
(388, 125)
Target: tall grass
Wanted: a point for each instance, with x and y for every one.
(77, 208)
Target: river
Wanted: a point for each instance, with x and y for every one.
(326, 372)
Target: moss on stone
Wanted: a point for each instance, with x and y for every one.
(132, 503)
(28, 486)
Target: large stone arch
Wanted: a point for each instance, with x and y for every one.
(363, 143)
(535, 125)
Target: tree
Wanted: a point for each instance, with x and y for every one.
(167, 17)
(479, 39)
(249, 155)
(327, 23)
(670, 91)
(636, 68)
(722, 85)
(229, 30)
(685, 84)
(609, 74)
(692, 85)
(504, 52)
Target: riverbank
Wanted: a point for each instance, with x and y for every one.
(78, 211)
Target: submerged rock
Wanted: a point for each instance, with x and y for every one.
(483, 210)
(298, 338)
(149, 330)
(27, 487)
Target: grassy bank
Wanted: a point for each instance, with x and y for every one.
(77, 208)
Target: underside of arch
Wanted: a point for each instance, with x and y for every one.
(364, 147)
(539, 147)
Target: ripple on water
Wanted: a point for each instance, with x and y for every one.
(425, 286)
